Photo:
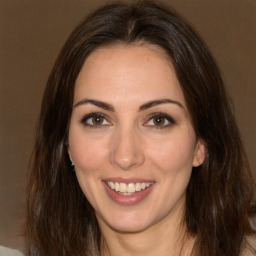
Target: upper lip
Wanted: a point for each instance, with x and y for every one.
(127, 181)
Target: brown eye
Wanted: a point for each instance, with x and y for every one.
(159, 121)
(97, 120)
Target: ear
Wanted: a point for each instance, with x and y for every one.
(200, 153)
(69, 153)
(70, 158)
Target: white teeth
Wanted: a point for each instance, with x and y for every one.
(138, 187)
(123, 188)
(117, 187)
(128, 189)
(131, 188)
(112, 185)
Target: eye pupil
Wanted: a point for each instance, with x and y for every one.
(158, 121)
(97, 120)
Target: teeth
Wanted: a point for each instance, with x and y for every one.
(128, 189)
(138, 186)
(123, 188)
(112, 185)
(131, 188)
(117, 187)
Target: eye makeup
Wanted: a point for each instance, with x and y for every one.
(95, 120)
(159, 120)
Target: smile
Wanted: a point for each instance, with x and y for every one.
(128, 192)
(128, 189)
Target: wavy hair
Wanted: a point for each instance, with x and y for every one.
(60, 220)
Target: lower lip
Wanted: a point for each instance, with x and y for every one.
(127, 199)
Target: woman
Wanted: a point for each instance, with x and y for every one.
(137, 150)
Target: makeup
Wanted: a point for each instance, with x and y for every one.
(127, 192)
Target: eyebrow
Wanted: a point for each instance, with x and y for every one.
(97, 103)
(153, 103)
(145, 106)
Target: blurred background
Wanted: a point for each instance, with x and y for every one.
(31, 36)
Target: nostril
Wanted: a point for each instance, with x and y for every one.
(125, 161)
(126, 152)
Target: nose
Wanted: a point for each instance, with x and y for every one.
(126, 150)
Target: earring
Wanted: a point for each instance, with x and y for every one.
(72, 164)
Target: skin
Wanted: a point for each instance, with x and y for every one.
(129, 144)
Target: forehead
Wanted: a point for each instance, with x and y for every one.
(128, 72)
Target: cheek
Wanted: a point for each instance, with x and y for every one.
(175, 153)
(87, 154)
(89, 158)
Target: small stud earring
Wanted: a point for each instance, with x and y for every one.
(72, 164)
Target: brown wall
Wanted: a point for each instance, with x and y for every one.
(31, 34)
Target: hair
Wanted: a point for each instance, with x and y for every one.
(60, 220)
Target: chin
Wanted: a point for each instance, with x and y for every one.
(129, 227)
(126, 223)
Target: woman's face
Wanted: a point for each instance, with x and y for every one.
(131, 138)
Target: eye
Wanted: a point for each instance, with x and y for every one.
(160, 120)
(95, 120)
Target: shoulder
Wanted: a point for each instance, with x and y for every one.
(250, 249)
(9, 252)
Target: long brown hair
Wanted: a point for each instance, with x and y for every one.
(60, 221)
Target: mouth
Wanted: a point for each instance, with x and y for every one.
(128, 192)
(128, 188)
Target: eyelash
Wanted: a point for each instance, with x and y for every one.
(85, 119)
(167, 118)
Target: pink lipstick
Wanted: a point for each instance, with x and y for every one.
(127, 192)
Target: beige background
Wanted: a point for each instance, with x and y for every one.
(31, 35)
